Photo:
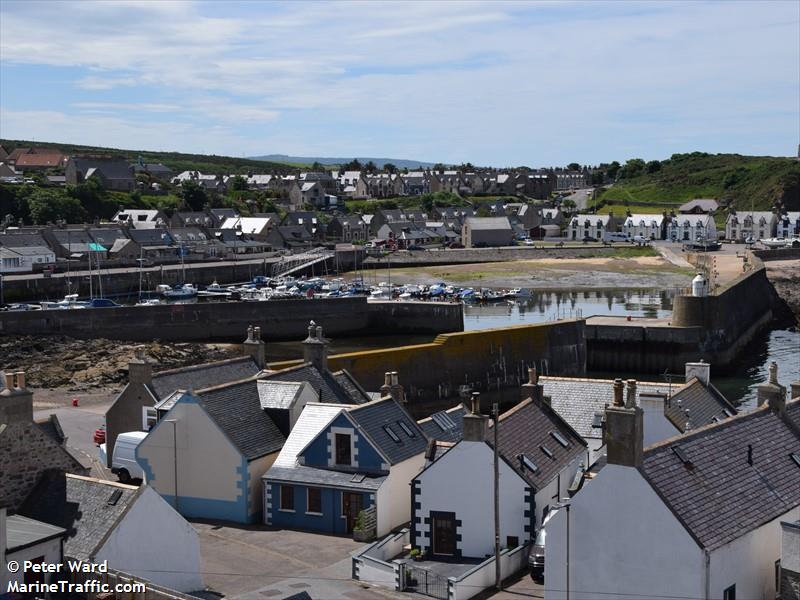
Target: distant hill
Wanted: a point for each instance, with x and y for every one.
(177, 161)
(400, 163)
(738, 181)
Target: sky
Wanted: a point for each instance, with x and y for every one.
(492, 83)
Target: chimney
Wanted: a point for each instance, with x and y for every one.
(630, 401)
(529, 387)
(618, 390)
(475, 422)
(315, 347)
(254, 346)
(701, 370)
(16, 402)
(386, 388)
(623, 435)
(396, 390)
(140, 370)
(795, 393)
(773, 393)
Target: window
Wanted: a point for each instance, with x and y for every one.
(287, 497)
(314, 501)
(390, 432)
(406, 429)
(512, 541)
(560, 438)
(547, 452)
(149, 418)
(777, 577)
(729, 593)
(343, 450)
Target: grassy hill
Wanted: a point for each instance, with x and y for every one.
(400, 163)
(736, 181)
(177, 161)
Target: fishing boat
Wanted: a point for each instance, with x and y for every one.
(69, 301)
(214, 289)
(102, 303)
(520, 293)
(180, 292)
(774, 242)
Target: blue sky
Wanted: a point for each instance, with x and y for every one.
(495, 83)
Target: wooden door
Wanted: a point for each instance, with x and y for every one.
(351, 505)
(444, 533)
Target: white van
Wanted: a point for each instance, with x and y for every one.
(615, 236)
(123, 462)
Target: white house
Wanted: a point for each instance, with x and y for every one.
(24, 258)
(697, 516)
(132, 528)
(650, 227)
(24, 539)
(691, 228)
(788, 225)
(583, 226)
(541, 455)
(758, 225)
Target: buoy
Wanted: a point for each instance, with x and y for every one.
(74, 402)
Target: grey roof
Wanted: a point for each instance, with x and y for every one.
(445, 432)
(578, 400)
(488, 223)
(203, 376)
(20, 240)
(278, 394)
(378, 418)
(718, 496)
(528, 428)
(107, 236)
(52, 428)
(24, 532)
(150, 237)
(236, 409)
(706, 204)
(695, 405)
(110, 168)
(29, 250)
(337, 388)
(87, 508)
(339, 479)
(169, 401)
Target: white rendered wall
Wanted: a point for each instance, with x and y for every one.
(790, 549)
(623, 541)
(155, 542)
(51, 550)
(207, 461)
(394, 496)
(255, 487)
(461, 481)
(556, 490)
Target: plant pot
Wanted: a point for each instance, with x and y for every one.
(361, 536)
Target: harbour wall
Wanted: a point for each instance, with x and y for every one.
(713, 328)
(489, 359)
(227, 321)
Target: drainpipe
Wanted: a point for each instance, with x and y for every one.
(707, 574)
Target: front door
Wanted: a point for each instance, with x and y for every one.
(444, 533)
(351, 506)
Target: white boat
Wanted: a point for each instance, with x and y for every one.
(179, 292)
(69, 301)
(149, 302)
(215, 289)
(774, 242)
(520, 293)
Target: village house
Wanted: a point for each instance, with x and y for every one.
(134, 409)
(415, 183)
(39, 160)
(693, 516)
(24, 539)
(789, 567)
(24, 251)
(788, 225)
(192, 218)
(540, 457)
(650, 227)
(74, 243)
(140, 218)
(573, 180)
(347, 228)
(478, 232)
(15, 155)
(340, 460)
(154, 170)
(351, 184)
(591, 227)
(755, 225)
(691, 228)
(132, 528)
(111, 173)
(258, 227)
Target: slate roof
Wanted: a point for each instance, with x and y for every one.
(528, 428)
(236, 409)
(719, 496)
(705, 204)
(110, 168)
(695, 405)
(378, 418)
(278, 394)
(449, 434)
(151, 237)
(337, 388)
(81, 506)
(21, 240)
(203, 376)
(24, 532)
(488, 223)
(314, 418)
(577, 400)
(107, 236)
(51, 427)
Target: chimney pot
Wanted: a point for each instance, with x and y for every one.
(631, 400)
(618, 391)
(533, 376)
(476, 403)
(20, 380)
(9, 377)
(773, 373)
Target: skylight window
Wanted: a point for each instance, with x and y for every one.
(529, 464)
(358, 478)
(115, 496)
(443, 420)
(408, 431)
(390, 432)
(728, 412)
(796, 458)
(560, 438)
(679, 452)
(547, 452)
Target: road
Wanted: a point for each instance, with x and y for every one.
(78, 425)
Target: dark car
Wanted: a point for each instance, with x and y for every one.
(536, 555)
(455, 245)
(416, 247)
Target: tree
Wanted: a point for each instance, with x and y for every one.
(633, 168)
(390, 168)
(653, 166)
(612, 170)
(239, 184)
(92, 197)
(317, 166)
(193, 195)
(568, 205)
(573, 167)
(439, 167)
(353, 165)
(483, 211)
(370, 167)
(49, 206)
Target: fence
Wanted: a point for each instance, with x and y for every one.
(372, 565)
(482, 576)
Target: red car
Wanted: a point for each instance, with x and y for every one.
(100, 435)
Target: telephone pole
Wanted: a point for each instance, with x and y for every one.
(497, 573)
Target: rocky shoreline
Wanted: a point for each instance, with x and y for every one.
(785, 278)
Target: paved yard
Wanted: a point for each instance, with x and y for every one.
(260, 562)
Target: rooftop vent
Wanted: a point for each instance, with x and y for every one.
(114, 498)
(681, 454)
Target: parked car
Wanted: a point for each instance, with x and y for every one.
(529, 242)
(99, 436)
(416, 247)
(588, 238)
(123, 461)
(536, 555)
(455, 245)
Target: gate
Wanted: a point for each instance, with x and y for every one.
(425, 582)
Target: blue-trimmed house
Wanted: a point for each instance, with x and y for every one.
(217, 443)
(339, 460)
